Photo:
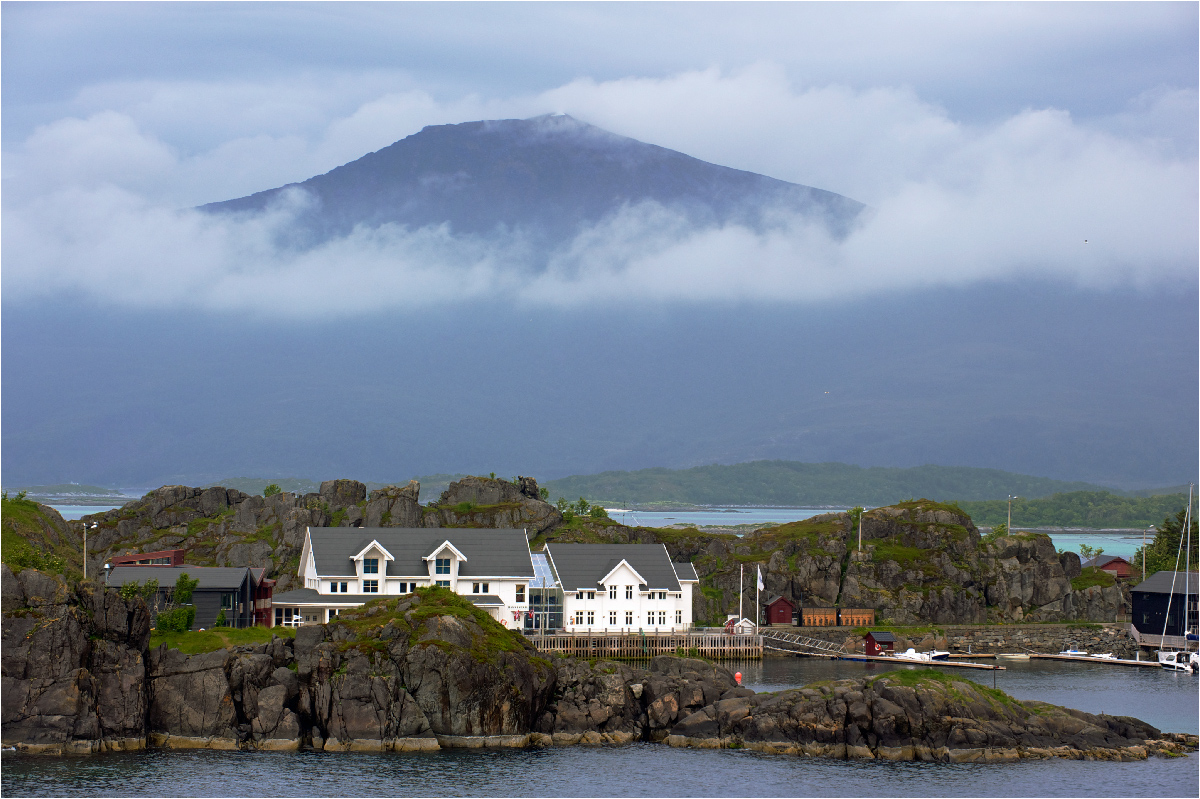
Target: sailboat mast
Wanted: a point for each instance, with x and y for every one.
(1187, 523)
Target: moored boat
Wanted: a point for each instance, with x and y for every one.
(1179, 661)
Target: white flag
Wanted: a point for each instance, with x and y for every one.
(760, 582)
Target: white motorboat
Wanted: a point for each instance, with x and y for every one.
(921, 657)
(1179, 661)
(1105, 656)
(1013, 655)
(1078, 653)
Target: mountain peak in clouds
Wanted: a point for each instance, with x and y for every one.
(547, 178)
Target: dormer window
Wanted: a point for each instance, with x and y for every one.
(442, 566)
(370, 565)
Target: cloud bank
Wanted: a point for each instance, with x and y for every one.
(97, 205)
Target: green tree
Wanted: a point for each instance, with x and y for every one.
(272, 490)
(220, 621)
(1160, 554)
(598, 512)
(184, 586)
(582, 507)
(544, 493)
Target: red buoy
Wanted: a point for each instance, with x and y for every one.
(738, 677)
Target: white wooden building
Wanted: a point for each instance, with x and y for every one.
(622, 587)
(343, 567)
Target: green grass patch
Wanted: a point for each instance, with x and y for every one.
(1091, 576)
(198, 642)
(413, 610)
(907, 557)
(198, 526)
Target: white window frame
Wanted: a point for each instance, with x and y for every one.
(612, 592)
(629, 617)
(370, 586)
(370, 565)
(612, 618)
(629, 592)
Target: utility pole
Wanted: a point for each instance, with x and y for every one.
(1011, 497)
(741, 589)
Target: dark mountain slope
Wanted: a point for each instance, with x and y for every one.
(546, 177)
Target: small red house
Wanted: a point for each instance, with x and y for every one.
(879, 643)
(163, 557)
(780, 610)
(1113, 564)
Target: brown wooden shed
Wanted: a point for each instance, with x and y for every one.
(780, 610)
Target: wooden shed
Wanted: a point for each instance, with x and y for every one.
(780, 610)
(879, 642)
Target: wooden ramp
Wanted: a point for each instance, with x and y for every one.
(642, 646)
(800, 644)
(954, 664)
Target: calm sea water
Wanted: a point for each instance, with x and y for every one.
(1167, 700)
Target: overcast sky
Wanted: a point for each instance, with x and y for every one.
(991, 140)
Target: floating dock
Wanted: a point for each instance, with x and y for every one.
(1153, 664)
(923, 663)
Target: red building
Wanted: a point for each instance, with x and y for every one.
(880, 643)
(1116, 566)
(780, 610)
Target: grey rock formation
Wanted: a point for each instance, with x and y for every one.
(929, 718)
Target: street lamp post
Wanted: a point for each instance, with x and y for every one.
(1011, 497)
(1148, 529)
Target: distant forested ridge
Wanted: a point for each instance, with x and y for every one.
(1077, 509)
(791, 483)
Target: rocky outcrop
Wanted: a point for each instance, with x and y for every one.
(614, 703)
(226, 527)
(430, 670)
(73, 665)
(917, 716)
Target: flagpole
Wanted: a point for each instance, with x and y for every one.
(757, 603)
(741, 588)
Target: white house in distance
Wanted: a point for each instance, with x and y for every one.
(343, 567)
(622, 587)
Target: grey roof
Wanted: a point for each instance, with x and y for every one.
(1103, 560)
(486, 600)
(301, 595)
(585, 565)
(1160, 583)
(489, 552)
(778, 597)
(210, 577)
(882, 636)
(686, 571)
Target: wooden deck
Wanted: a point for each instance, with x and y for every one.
(638, 646)
(1153, 664)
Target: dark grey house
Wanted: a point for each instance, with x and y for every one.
(228, 589)
(1165, 596)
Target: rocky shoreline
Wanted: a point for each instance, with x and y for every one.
(429, 671)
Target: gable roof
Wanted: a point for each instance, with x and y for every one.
(1103, 560)
(882, 636)
(488, 552)
(778, 597)
(617, 565)
(210, 577)
(446, 545)
(1160, 583)
(685, 571)
(585, 565)
(374, 543)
